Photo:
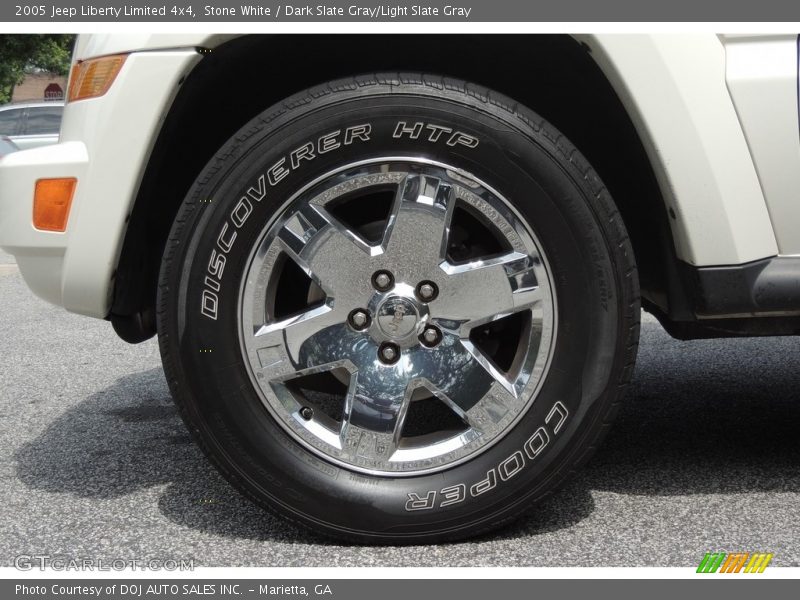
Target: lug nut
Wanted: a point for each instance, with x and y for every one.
(382, 280)
(359, 319)
(427, 291)
(307, 413)
(431, 336)
(389, 353)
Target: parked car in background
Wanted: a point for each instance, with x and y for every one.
(31, 124)
(7, 146)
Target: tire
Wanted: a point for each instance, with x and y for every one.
(500, 376)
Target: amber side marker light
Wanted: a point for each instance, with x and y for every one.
(92, 78)
(51, 202)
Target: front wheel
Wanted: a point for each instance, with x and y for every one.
(398, 309)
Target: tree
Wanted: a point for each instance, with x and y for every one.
(48, 52)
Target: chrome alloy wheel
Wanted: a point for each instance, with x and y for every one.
(398, 283)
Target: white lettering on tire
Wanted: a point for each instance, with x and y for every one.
(283, 167)
(507, 469)
(424, 503)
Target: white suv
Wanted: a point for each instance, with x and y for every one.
(396, 280)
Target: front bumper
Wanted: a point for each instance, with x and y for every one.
(105, 144)
(39, 254)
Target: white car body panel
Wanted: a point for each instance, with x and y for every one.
(762, 78)
(105, 143)
(674, 87)
(91, 46)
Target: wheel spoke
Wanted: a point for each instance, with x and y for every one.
(375, 409)
(487, 415)
(462, 374)
(482, 291)
(320, 245)
(304, 336)
(420, 218)
(477, 391)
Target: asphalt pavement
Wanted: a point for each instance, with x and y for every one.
(95, 462)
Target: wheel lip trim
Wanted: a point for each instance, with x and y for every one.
(242, 302)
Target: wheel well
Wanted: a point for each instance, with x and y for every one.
(552, 74)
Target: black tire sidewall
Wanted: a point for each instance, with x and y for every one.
(208, 370)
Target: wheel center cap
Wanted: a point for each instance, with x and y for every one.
(397, 317)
